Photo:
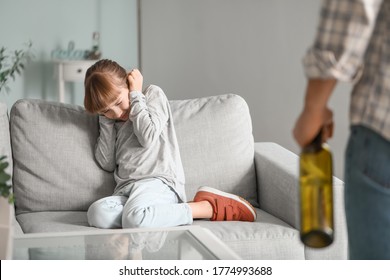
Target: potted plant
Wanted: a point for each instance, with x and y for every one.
(6, 211)
(11, 65)
(5, 186)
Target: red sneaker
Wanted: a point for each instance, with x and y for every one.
(226, 206)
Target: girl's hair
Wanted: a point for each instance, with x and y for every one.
(102, 83)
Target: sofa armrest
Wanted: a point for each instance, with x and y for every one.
(278, 194)
(277, 181)
(17, 228)
(22, 254)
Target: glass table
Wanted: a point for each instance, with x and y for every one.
(177, 243)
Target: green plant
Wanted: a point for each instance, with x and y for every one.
(5, 187)
(12, 64)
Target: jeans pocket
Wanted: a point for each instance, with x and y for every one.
(376, 162)
(378, 173)
(369, 153)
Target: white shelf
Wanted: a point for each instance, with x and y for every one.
(70, 71)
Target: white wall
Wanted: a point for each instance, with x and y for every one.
(191, 48)
(254, 48)
(53, 23)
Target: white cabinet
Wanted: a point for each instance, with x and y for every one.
(71, 71)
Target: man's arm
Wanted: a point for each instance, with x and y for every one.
(344, 31)
(338, 52)
(315, 113)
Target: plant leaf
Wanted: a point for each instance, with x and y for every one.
(4, 177)
(3, 165)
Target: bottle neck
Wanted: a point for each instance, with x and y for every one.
(315, 145)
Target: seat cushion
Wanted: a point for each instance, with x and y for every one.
(56, 221)
(268, 238)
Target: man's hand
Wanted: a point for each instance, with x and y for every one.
(310, 123)
(135, 80)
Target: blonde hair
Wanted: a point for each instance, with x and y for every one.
(102, 83)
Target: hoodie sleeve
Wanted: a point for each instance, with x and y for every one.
(149, 114)
(105, 146)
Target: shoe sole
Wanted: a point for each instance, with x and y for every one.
(232, 196)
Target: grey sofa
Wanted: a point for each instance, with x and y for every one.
(55, 176)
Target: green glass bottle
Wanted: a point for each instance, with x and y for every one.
(316, 194)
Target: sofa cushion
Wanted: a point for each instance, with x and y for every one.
(216, 144)
(54, 221)
(54, 166)
(268, 238)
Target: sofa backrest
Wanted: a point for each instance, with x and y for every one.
(54, 166)
(216, 144)
(53, 150)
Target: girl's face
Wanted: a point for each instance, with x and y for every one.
(120, 108)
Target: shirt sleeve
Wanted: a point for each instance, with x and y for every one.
(149, 114)
(343, 34)
(105, 146)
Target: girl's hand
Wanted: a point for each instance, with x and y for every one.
(135, 80)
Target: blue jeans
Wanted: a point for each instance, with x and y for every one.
(148, 203)
(367, 194)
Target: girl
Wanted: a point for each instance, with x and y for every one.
(138, 143)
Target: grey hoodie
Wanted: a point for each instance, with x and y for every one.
(145, 146)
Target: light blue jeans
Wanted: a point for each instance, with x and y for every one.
(146, 203)
(367, 194)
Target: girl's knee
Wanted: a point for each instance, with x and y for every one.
(105, 213)
(135, 218)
